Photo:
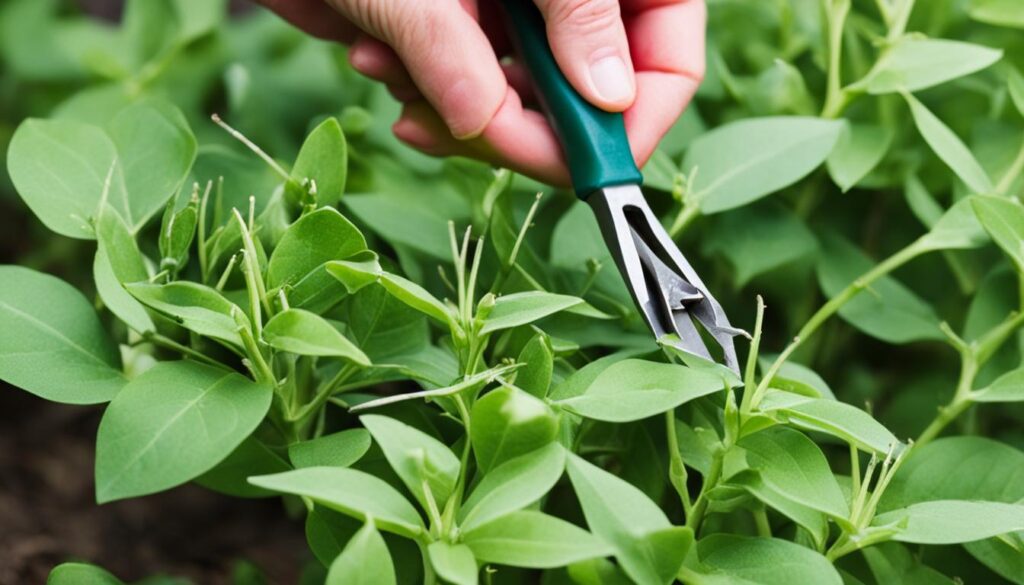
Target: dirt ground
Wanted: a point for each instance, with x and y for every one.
(48, 515)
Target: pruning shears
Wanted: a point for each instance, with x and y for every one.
(668, 292)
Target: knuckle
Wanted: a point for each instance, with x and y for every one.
(585, 15)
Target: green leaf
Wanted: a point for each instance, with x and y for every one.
(888, 311)
(365, 560)
(195, 307)
(118, 261)
(859, 150)
(1002, 555)
(813, 521)
(527, 307)
(513, 485)
(891, 562)
(533, 540)
(913, 64)
(953, 521)
(1004, 221)
(323, 160)
(116, 298)
(1016, 84)
(739, 560)
(307, 245)
(792, 465)
(453, 562)
(350, 492)
(831, 417)
(177, 230)
(1007, 388)
(949, 148)
(796, 378)
(147, 439)
(506, 423)
(956, 229)
(743, 161)
(304, 333)
(81, 574)
(759, 239)
(921, 202)
(416, 457)
(357, 275)
(231, 476)
(538, 360)
(625, 517)
(998, 12)
(340, 449)
(636, 389)
(384, 327)
(52, 343)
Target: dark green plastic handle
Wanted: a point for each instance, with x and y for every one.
(595, 142)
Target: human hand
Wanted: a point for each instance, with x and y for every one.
(444, 60)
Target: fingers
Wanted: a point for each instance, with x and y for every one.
(445, 53)
(314, 17)
(588, 40)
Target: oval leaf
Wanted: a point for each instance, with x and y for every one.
(365, 561)
(533, 540)
(304, 333)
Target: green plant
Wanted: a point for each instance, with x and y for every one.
(447, 378)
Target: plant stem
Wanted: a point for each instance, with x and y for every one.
(687, 214)
(761, 521)
(700, 507)
(755, 347)
(837, 11)
(900, 18)
(677, 474)
(961, 401)
(252, 146)
(1012, 174)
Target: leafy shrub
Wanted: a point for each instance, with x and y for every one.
(447, 377)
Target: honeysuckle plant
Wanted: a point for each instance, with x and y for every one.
(436, 366)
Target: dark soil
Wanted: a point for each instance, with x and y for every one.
(48, 514)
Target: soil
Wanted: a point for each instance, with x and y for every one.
(48, 514)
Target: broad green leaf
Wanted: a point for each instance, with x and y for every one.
(63, 170)
(758, 239)
(231, 476)
(891, 562)
(409, 218)
(831, 417)
(118, 261)
(578, 382)
(537, 358)
(792, 465)
(999, 12)
(533, 540)
(1003, 219)
(323, 161)
(745, 160)
(956, 229)
(147, 439)
(636, 389)
(194, 306)
(623, 516)
(949, 148)
(859, 150)
(888, 311)
(453, 562)
(327, 533)
(304, 333)
(357, 275)
(350, 492)
(739, 560)
(513, 485)
(309, 243)
(155, 152)
(1002, 555)
(365, 560)
(953, 521)
(797, 378)
(506, 423)
(914, 64)
(339, 449)
(384, 327)
(1007, 388)
(816, 523)
(416, 457)
(522, 308)
(81, 574)
(52, 343)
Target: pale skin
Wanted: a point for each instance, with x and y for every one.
(445, 61)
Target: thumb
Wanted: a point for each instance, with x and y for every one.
(589, 42)
(446, 53)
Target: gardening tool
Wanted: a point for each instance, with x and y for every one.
(665, 288)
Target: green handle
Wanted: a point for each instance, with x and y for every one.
(595, 142)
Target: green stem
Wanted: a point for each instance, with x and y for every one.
(1012, 174)
(700, 507)
(687, 214)
(677, 474)
(835, 97)
(764, 529)
(900, 19)
(755, 348)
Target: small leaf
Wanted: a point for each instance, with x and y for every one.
(533, 540)
(636, 389)
(118, 261)
(309, 243)
(323, 160)
(949, 148)
(453, 562)
(81, 574)
(745, 160)
(538, 359)
(513, 485)
(891, 562)
(1007, 388)
(527, 307)
(52, 344)
(196, 307)
(356, 275)
(177, 230)
(832, 417)
(1004, 221)
(797, 378)
(340, 449)
(147, 439)
(957, 229)
(416, 457)
(762, 561)
(304, 333)
(913, 64)
(998, 12)
(365, 560)
(506, 423)
(921, 202)
(953, 521)
(350, 492)
(859, 150)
